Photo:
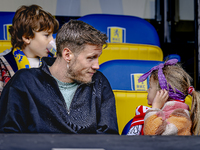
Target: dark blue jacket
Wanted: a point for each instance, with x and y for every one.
(31, 102)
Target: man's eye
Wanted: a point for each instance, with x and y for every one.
(91, 57)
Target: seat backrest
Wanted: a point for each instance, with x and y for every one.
(5, 22)
(131, 51)
(124, 29)
(5, 44)
(123, 74)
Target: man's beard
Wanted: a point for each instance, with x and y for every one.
(75, 76)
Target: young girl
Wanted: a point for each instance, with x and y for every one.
(31, 32)
(169, 115)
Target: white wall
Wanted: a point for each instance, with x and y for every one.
(186, 9)
(13, 5)
(141, 8)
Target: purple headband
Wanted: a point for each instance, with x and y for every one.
(177, 95)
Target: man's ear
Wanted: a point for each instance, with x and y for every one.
(26, 40)
(67, 54)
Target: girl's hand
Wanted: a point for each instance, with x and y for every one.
(160, 99)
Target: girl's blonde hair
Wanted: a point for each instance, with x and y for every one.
(178, 78)
(195, 113)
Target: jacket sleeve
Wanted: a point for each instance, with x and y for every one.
(163, 122)
(107, 119)
(13, 107)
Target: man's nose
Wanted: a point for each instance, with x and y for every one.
(96, 64)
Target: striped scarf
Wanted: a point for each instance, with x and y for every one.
(21, 59)
(136, 127)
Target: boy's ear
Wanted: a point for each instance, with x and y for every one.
(26, 40)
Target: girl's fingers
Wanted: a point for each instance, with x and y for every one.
(166, 95)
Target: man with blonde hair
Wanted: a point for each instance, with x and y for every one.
(66, 94)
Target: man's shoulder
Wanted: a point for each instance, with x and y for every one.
(26, 74)
(98, 74)
(25, 71)
(99, 78)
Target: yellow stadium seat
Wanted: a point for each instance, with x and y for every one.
(131, 51)
(5, 44)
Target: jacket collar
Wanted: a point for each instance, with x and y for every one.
(47, 61)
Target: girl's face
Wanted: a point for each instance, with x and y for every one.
(152, 90)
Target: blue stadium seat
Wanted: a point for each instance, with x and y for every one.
(134, 29)
(120, 73)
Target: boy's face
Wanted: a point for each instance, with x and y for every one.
(37, 46)
(152, 90)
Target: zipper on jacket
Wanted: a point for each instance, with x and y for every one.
(68, 110)
(62, 98)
